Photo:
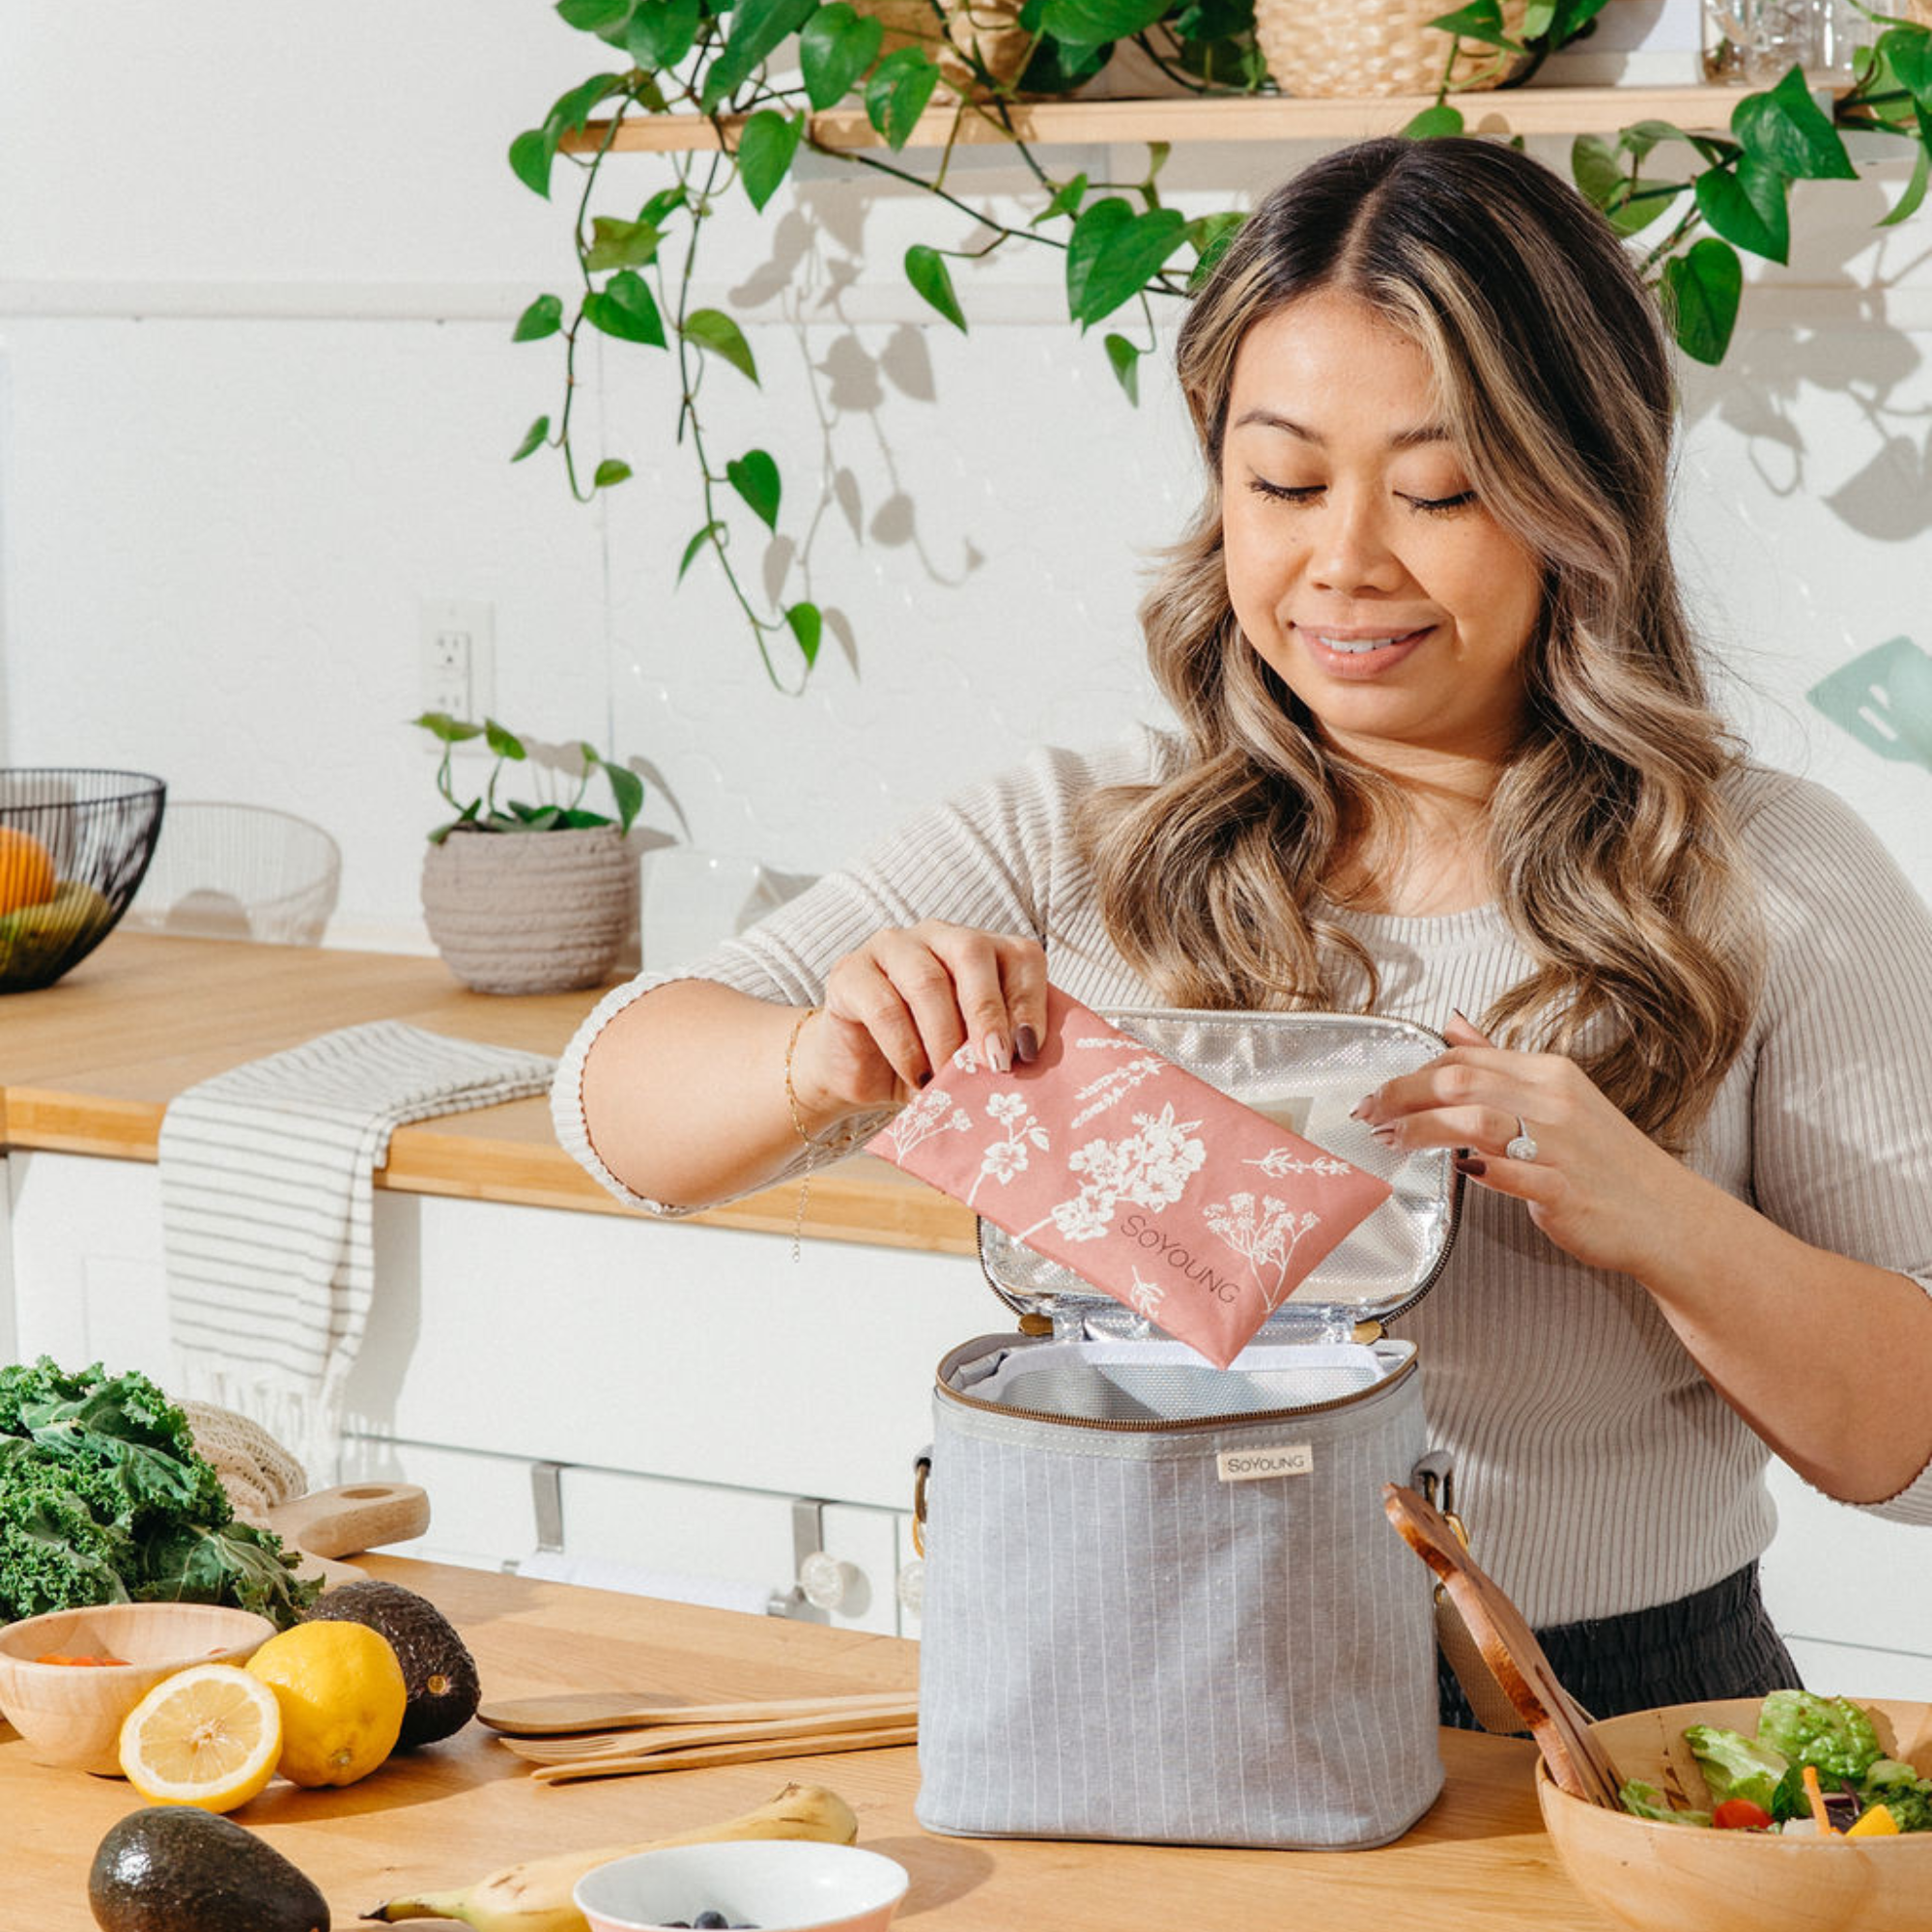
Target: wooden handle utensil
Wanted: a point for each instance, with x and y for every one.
(819, 1743)
(1577, 1761)
(619, 1710)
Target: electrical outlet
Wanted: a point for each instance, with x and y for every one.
(456, 657)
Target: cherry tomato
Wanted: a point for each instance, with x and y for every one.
(1740, 1814)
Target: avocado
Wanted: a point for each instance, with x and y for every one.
(174, 1868)
(437, 1666)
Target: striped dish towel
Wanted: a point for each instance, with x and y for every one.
(267, 1205)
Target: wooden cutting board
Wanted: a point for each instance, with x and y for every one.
(327, 1524)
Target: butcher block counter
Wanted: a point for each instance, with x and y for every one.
(89, 1064)
(451, 1812)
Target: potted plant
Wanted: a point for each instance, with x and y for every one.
(529, 897)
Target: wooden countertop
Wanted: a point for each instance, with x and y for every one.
(89, 1064)
(454, 1811)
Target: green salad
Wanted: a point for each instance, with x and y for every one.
(1761, 1783)
(106, 1499)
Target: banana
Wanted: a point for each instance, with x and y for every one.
(535, 1895)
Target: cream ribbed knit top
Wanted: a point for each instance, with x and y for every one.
(1597, 1470)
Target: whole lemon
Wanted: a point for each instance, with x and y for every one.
(342, 1696)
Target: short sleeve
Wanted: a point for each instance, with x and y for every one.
(1841, 1107)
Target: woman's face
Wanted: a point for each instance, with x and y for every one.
(1360, 563)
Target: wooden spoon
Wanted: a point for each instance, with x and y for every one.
(1577, 1761)
(620, 1710)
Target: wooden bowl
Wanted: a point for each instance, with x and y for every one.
(71, 1713)
(1674, 1878)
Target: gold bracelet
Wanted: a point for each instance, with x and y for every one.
(811, 1148)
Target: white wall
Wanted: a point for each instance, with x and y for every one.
(257, 271)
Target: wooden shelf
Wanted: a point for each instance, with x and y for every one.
(1527, 110)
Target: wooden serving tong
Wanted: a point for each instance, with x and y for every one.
(1578, 1763)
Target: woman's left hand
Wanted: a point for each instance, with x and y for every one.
(1597, 1185)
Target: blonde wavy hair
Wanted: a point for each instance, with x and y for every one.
(1612, 841)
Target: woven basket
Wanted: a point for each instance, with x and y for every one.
(529, 912)
(1325, 48)
(989, 28)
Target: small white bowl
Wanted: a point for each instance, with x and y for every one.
(779, 1885)
(71, 1713)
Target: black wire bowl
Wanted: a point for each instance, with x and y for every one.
(73, 847)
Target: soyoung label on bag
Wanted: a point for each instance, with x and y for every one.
(1260, 1465)
(1160, 1190)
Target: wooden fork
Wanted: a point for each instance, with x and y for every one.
(585, 1745)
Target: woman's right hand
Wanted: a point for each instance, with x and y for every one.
(897, 1008)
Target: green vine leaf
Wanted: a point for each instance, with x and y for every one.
(1786, 132)
(544, 317)
(696, 543)
(620, 244)
(531, 154)
(756, 479)
(662, 32)
(1087, 24)
(1921, 172)
(765, 150)
(807, 625)
(1702, 291)
(1125, 359)
(1747, 205)
(1115, 253)
(1628, 206)
(505, 744)
(927, 271)
(758, 27)
(1067, 200)
(897, 93)
(626, 308)
(713, 329)
(611, 472)
(1908, 52)
(1481, 20)
(571, 113)
(1209, 235)
(594, 16)
(533, 438)
(664, 203)
(834, 47)
(1433, 123)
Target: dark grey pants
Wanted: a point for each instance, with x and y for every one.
(1715, 1643)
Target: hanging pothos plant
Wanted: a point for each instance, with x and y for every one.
(758, 70)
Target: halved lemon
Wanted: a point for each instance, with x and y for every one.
(208, 1736)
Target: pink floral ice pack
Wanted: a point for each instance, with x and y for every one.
(1190, 1208)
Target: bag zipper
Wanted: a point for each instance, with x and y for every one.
(1192, 1422)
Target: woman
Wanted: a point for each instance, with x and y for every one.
(1444, 750)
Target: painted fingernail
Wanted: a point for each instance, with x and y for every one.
(1386, 1135)
(924, 1079)
(998, 1058)
(1027, 1041)
(1363, 1107)
(1471, 1165)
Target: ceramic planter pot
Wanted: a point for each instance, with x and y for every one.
(529, 912)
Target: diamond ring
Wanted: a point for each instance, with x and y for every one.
(1523, 1147)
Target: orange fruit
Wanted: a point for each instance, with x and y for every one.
(208, 1736)
(343, 1696)
(26, 870)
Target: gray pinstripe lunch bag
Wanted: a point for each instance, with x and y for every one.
(1162, 1600)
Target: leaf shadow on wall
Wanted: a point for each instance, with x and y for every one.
(1881, 485)
(815, 258)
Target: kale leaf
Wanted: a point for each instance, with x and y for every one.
(104, 1497)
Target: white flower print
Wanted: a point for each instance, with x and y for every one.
(1278, 1163)
(1151, 1169)
(1146, 1297)
(927, 1116)
(1266, 1232)
(1007, 1156)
